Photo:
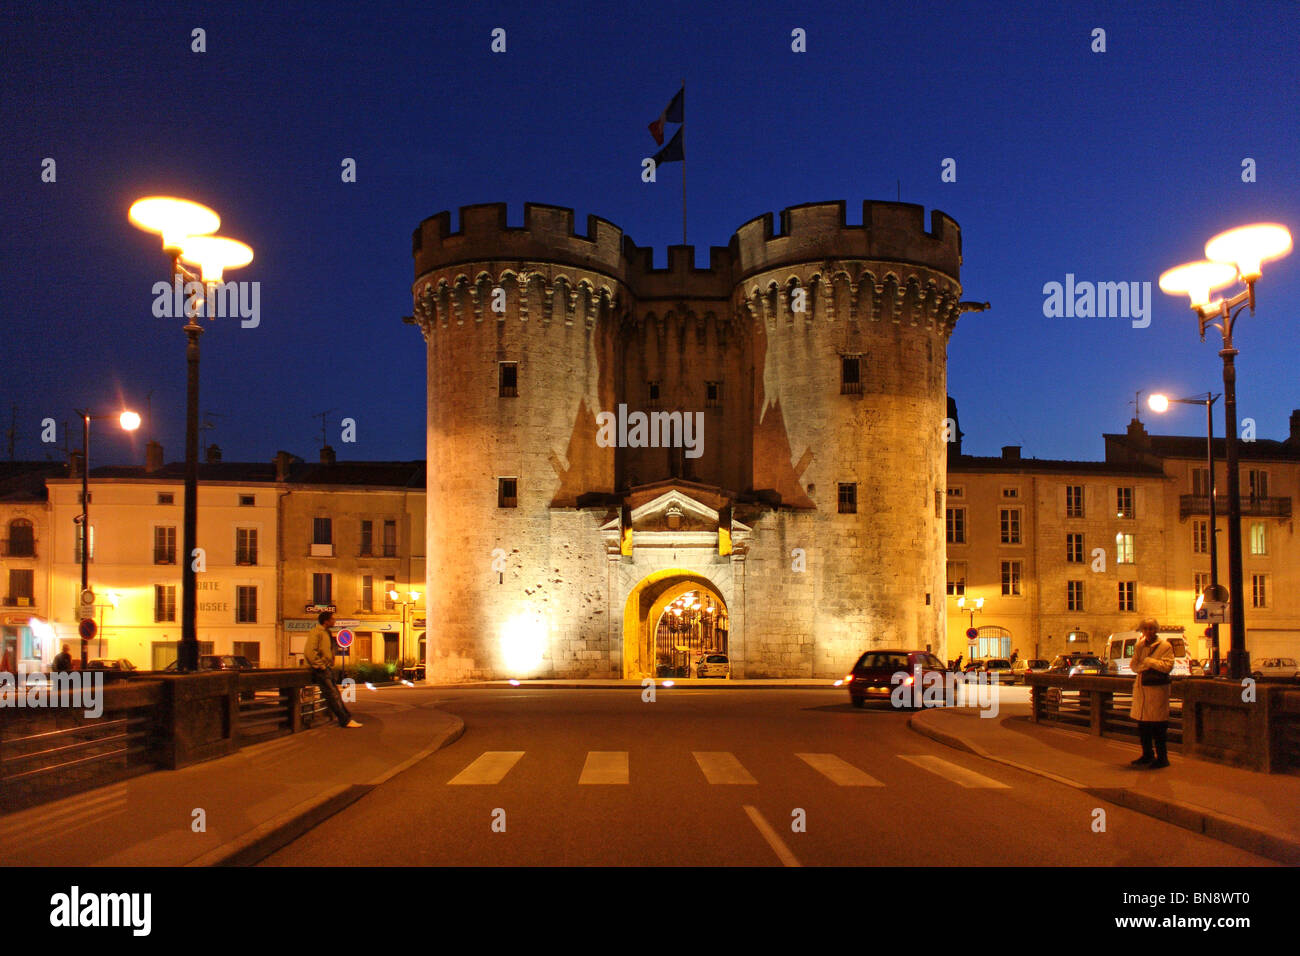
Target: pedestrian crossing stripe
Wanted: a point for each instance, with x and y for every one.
(490, 767)
(839, 771)
(951, 771)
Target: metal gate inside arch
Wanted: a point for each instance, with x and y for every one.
(692, 626)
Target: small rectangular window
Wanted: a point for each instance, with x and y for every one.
(850, 375)
(367, 538)
(956, 492)
(390, 585)
(164, 602)
(956, 521)
(713, 394)
(322, 531)
(1011, 578)
(1257, 480)
(1074, 501)
(1123, 502)
(20, 587)
(1010, 521)
(956, 578)
(1074, 595)
(1259, 590)
(246, 546)
(246, 501)
(246, 604)
(1200, 536)
(1128, 595)
(1010, 492)
(507, 493)
(1258, 538)
(1074, 549)
(367, 593)
(1124, 553)
(322, 588)
(164, 545)
(848, 498)
(652, 394)
(508, 379)
(166, 498)
(390, 539)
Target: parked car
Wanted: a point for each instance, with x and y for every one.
(1077, 665)
(1027, 665)
(713, 665)
(1121, 645)
(872, 677)
(993, 665)
(106, 664)
(220, 662)
(1275, 667)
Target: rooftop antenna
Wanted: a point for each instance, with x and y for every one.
(324, 439)
(208, 423)
(1137, 405)
(900, 190)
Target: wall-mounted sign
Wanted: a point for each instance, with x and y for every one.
(299, 625)
(317, 608)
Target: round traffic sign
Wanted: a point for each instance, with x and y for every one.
(972, 633)
(344, 637)
(87, 628)
(87, 596)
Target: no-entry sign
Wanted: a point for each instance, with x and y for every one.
(972, 633)
(344, 637)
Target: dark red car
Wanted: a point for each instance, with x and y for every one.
(872, 677)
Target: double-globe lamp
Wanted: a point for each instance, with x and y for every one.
(1235, 256)
(187, 231)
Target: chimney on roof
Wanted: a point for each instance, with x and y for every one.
(214, 454)
(282, 461)
(327, 455)
(1137, 434)
(1295, 429)
(74, 464)
(1010, 452)
(153, 457)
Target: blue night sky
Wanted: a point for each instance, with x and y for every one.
(1109, 166)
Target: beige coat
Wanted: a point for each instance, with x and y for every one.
(318, 651)
(1151, 703)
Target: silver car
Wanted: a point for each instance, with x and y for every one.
(713, 665)
(1275, 667)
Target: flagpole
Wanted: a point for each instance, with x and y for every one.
(683, 135)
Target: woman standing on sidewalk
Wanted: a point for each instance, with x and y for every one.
(1153, 659)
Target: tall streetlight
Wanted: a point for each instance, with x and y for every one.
(186, 229)
(975, 608)
(1160, 404)
(129, 421)
(1233, 257)
(394, 596)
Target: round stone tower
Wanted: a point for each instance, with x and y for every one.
(852, 325)
(811, 509)
(519, 330)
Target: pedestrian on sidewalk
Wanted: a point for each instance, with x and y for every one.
(318, 655)
(1153, 659)
(62, 661)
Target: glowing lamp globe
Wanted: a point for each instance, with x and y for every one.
(1197, 280)
(1158, 403)
(1248, 247)
(214, 254)
(129, 421)
(174, 219)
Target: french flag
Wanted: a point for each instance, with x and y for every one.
(673, 114)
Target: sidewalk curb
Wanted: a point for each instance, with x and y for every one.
(264, 839)
(1216, 826)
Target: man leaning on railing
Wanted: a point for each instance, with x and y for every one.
(318, 655)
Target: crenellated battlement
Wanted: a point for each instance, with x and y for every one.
(455, 271)
(547, 235)
(890, 232)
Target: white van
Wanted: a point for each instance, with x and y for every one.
(1119, 652)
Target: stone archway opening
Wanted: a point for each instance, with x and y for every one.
(670, 619)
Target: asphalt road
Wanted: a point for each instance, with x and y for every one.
(721, 777)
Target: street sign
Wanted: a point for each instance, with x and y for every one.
(1212, 612)
(344, 637)
(87, 629)
(972, 633)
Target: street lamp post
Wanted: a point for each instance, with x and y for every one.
(1160, 403)
(1235, 256)
(186, 229)
(393, 596)
(129, 421)
(974, 609)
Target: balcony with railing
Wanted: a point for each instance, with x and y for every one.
(1251, 507)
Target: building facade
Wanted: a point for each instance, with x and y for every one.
(629, 466)
(1064, 553)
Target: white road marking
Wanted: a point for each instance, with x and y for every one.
(489, 768)
(604, 766)
(772, 837)
(839, 771)
(38, 824)
(721, 767)
(957, 774)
